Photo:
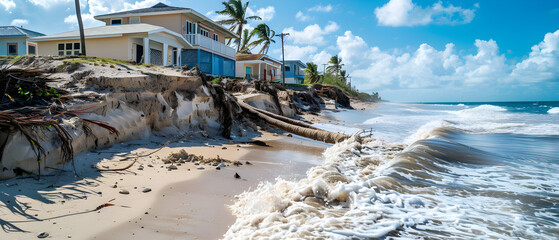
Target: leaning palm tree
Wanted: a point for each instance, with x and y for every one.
(335, 65)
(312, 73)
(265, 37)
(344, 75)
(236, 11)
(245, 41)
(80, 24)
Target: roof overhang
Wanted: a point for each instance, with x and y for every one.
(44, 39)
(297, 62)
(180, 38)
(260, 62)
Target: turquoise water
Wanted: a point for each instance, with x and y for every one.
(435, 171)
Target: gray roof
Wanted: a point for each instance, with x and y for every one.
(299, 62)
(160, 7)
(13, 31)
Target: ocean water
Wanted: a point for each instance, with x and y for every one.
(433, 171)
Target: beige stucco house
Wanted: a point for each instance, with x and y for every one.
(160, 35)
(258, 67)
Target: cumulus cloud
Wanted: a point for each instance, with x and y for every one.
(8, 4)
(302, 17)
(320, 8)
(397, 13)
(266, 13)
(98, 7)
(542, 63)
(48, 3)
(299, 53)
(428, 67)
(87, 19)
(19, 22)
(312, 34)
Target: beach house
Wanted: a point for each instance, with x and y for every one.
(159, 35)
(258, 67)
(294, 71)
(14, 41)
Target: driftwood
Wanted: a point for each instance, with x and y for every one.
(300, 129)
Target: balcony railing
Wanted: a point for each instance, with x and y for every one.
(206, 42)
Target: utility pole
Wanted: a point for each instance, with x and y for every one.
(282, 57)
(324, 73)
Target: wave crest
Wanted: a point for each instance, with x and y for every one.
(554, 110)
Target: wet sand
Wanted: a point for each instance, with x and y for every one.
(186, 203)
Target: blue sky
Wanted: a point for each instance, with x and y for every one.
(408, 50)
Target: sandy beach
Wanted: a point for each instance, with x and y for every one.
(190, 201)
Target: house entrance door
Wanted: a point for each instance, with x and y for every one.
(139, 53)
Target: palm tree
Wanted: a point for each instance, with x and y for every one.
(245, 40)
(236, 11)
(312, 72)
(344, 75)
(80, 24)
(335, 65)
(265, 37)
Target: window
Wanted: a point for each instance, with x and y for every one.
(216, 37)
(31, 50)
(287, 68)
(134, 20)
(190, 27)
(204, 33)
(69, 49)
(116, 21)
(12, 49)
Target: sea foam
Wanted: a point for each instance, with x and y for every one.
(554, 110)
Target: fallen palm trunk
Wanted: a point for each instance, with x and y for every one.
(286, 119)
(300, 129)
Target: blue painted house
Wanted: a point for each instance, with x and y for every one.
(294, 71)
(14, 41)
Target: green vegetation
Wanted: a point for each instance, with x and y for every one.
(311, 73)
(235, 11)
(245, 41)
(216, 80)
(336, 76)
(265, 38)
(102, 61)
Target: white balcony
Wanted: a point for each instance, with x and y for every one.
(206, 42)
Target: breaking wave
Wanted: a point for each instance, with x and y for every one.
(440, 181)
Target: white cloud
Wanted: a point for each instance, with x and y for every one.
(320, 8)
(98, 7)
(427, 67)
(542, 63)
(299, 53)
(321, 58)
(302, 17)
(8, 4)
(266, 13)
(19, 22)
(139, 4)
(216, 17)
(312, 34)
(398, 13)
(48, 3)
(87, 19)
